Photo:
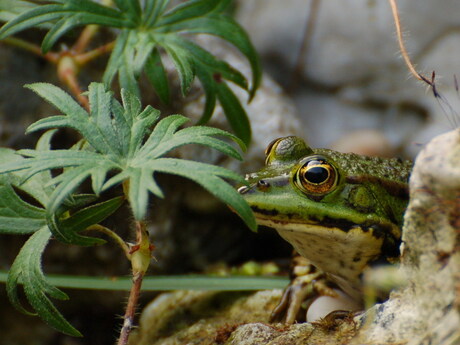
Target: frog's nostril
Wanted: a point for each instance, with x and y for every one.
(263, 185)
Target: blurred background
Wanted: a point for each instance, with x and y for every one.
(333, 74)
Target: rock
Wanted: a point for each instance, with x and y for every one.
(201, 317)
(427, 310)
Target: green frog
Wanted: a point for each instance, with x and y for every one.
(340, 211)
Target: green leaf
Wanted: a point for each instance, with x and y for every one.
(234, 111)
(133, 157)
(156, 73)
(69, 14)
(183, 63)
(142, 32)
(225, 27)
(16, 215)
(168, 283)
(209, 177)
(152, 10)
(26, 269)
(66, 229)
(10, 9)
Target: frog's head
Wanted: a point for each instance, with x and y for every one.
(315, 203)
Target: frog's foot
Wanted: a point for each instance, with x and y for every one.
(308, 284)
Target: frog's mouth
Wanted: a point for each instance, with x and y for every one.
(265, 217)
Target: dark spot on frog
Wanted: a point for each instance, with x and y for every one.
(259, 210)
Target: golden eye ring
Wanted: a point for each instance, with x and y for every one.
(316, 176)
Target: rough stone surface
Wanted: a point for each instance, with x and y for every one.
(201, 317)
(427, 311)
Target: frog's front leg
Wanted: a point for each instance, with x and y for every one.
(307, 283)
(310, 295)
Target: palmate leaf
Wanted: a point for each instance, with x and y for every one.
(146, 28)
(120, 144)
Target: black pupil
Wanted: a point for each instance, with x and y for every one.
(316, 175)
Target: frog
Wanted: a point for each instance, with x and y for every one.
(341, 212)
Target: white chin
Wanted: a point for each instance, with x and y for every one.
(324, 305)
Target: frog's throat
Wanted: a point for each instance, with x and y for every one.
(341, 255)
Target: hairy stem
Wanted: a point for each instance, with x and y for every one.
(128, 319)
(402, 47)
(141, 254)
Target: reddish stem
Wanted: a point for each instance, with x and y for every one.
(128, 322)
(140, 256)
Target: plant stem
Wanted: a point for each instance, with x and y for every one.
(141, 254)
(85, 38)
(67, 70)
(402, 47)
(32, 48)
(84, 58)
(128, 318)
(113, 235)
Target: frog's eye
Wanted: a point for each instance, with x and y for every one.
(316, 176)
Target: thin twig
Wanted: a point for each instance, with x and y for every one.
(113, 235)
(85, 38)
(32, 48)
(84, 58)
(402, 47)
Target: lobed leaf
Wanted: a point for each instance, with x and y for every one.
(121, 143)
